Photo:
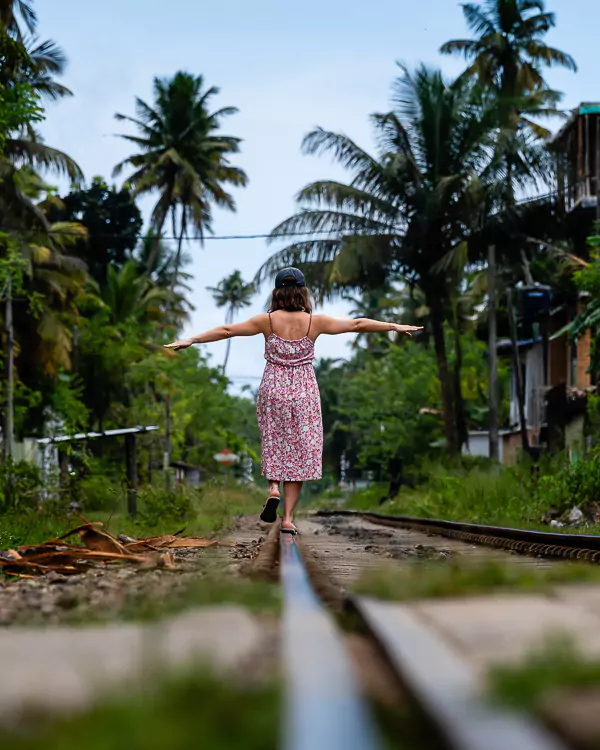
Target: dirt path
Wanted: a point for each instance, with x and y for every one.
(348, 547)
(110, 594)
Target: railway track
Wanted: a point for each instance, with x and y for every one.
(326, 707)
(537, 543)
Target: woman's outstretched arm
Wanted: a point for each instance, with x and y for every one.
(250, 327)
(334, 326)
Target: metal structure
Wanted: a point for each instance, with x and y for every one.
(324, 709)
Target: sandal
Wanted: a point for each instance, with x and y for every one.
(292, 530)
(269, 511)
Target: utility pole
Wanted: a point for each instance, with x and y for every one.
(8, 436)
(518, 373)
(132, 474)
(167, 454)
(493, 355)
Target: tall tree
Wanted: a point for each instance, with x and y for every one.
(402, 211)
(233, 293)
(112, 219)
(182, 157)
(506, 58)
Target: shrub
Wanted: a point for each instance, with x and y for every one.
(98, 492)
(577, 482)
(178, 505)
(20, 485)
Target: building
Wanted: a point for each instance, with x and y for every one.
(555, 379)
(577, 150)
(186, 473)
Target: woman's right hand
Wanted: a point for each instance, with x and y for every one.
(181, 344)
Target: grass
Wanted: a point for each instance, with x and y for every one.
(497, 496)
(443, 578)
(505, 498)
(196, 710)
(554, 667)
(210, 513)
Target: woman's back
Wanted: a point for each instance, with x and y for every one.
(291, 326)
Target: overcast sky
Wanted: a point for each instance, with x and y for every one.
(288, 67)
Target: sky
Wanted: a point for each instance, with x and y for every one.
(287, 67)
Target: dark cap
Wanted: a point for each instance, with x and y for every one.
(289, 277)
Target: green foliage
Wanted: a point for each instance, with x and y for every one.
(20, 486)
(420, 579)
(19, 102)
(555, 665)
(587, 280)
(113, 222)
(475, 494)
(159, 506)
(172, 711)
(381, 405)
(574, 482)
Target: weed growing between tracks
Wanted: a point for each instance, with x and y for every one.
(179, 713)
(559, 685)
(449, 578)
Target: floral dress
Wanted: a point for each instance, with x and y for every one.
(289, 411)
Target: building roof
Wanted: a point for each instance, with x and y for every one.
(585, 108)
(505, 344)
(90, 435)
(185, 466)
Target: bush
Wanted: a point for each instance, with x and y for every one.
(20, 486)
(577, 482)
(98, 493)
(178, 505)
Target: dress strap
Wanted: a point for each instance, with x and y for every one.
(309, 324)
(270, 322)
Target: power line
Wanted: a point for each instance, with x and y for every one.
(193, 238)
(261, 236)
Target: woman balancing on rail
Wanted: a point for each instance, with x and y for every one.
(289, 404)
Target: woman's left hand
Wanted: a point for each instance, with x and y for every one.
(406, 330)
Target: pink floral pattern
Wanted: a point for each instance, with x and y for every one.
(289, 412)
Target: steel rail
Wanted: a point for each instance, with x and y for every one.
(541, 543)
(445, 685)
(324, 707)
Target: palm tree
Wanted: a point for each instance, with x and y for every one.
(507, 57)
(233, 293)
(131, 296)
(47, 61)
(182, 157)
(11, 10)
(402, 211)
(373, 303)
(162, 276)
(508, 51)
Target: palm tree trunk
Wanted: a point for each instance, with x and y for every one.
(228, 319)
(462, 430)
(437, 325)
(178, 256)
(155, 245)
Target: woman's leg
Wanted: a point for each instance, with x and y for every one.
(273, 488)
(291, 493)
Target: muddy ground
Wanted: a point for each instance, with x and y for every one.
(347, 547)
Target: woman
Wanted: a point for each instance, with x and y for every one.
(289, 404)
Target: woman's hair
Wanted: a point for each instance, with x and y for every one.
(290, 298)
